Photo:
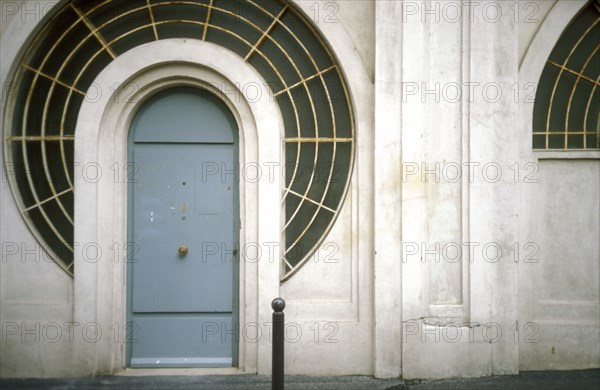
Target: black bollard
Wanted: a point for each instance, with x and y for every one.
(278, 305)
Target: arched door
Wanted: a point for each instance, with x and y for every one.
(183, 232)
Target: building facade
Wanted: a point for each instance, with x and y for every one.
(419, 180)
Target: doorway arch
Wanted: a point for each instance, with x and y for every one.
(101, 207)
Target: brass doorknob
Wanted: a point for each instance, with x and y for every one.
(183, 250)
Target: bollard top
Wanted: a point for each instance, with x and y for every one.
(278, 305)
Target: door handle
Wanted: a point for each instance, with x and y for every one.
(182, 251)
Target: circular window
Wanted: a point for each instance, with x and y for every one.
(274, 37)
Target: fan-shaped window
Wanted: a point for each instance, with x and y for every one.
(272, 36)
(567, 106)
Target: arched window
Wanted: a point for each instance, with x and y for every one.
(274, 37)
(566, 114)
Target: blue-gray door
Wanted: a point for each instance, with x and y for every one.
(183, 229)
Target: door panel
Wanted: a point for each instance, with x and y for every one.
(177, 203)
(213, 336)
(182, 306)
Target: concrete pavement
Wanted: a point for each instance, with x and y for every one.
(547, 380)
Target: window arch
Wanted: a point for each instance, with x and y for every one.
(274, 37)
(566, 113)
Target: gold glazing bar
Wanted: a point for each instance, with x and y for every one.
(316, 159)
(548, 115)
(43, 130)
(60, 238)
(151, 13)
(65, 110)
(25, 158)
(568, 114)
(210, 7)
(54, 79)
(308, 225)
(332, 111)
(301, 140)
(311, 179)
(41, 138)
(261, 8)
(334, 129)
(301, 43)
(310, 57)
(325, 192)
(94, 31)
(563, 69)
(267, 32)
(304, 81)
(319, 204)
(299, 135)
(59, 39)
(65, 165)
(120, 16)
(98, 6)
(566, 132)
(318, 140)
(36, 198)
(38, 204)
(288, 89)
(287, 263)
(580, 75)
(335, 144)
(55, 195)
(585, 119)
(62, 127)
(306, 198)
